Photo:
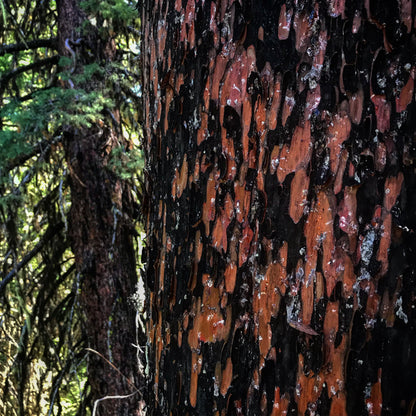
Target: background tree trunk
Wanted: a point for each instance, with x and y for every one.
(281, 227)
(100, 226)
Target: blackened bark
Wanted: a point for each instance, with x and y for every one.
(281, 227)
(101, 231)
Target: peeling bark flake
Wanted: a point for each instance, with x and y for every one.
(319, 233)
(375, 402)
(285, 20)
(227, 375)
(280, 404)
(298, 154)
(338, 131)
(230, 276)
(298, 195)
(392, 189)
(180, 180)
(383, 111)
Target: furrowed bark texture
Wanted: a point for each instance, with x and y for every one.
(101, 232)
(281, 227)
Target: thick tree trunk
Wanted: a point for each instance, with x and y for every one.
(101, 231)
(281, 226)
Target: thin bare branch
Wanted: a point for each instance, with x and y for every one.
(112, 397)
(114, 367)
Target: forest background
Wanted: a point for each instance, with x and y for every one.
(52, 86)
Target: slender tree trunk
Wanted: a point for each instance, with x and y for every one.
(281, 227)
(101, 229)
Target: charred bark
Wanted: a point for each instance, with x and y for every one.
(281, 228)
(101, 230)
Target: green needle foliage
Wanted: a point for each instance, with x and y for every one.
(42, 345)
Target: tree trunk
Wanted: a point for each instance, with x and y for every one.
(280, 154)
(100, 227)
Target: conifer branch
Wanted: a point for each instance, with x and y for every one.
(36, 149)
(53, 60)
(50, 232)
(32, 44)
